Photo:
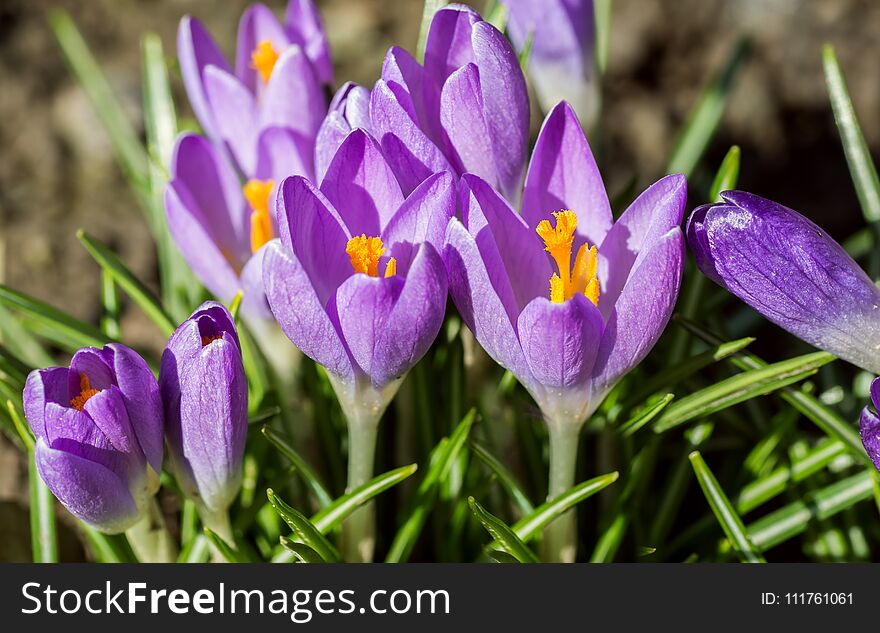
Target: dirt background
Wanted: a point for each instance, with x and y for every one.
(57, 170)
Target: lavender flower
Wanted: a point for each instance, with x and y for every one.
(465, 110)
(792, 272)
(561, 61)
(98, 426)
(276, 83)
(204, 391)
(869, 425)
(566, 299)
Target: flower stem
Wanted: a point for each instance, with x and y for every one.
(359, 529)
(560, 537)
(219, 524)
(150, 539)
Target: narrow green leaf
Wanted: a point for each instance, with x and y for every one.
(14, 368)
(431, 7)
(227, 551)
(730, 521)
(235, 306)
(602, 11)
(505, 478)
(858, 155)
(741, 387)
(78, 333)
(608, 544)
(305, 471)
(531, 525)
(107, 548)
(444, 455)
(303, 553)
(727, 175)
(645, 415)
(133, 287)
(23, 430)
(503, 535)
(44, 540)
(20, 342)
(110, 304)
(500, 556)
(196, 550)
(496, 14)
(703, 120)
(794, 518)
(332, 515)
(304, 530)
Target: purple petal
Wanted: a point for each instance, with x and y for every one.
(640, 313)
(481, 293)
(235, 115)
(88, 490)
(401, 70)
(650, 217)
(253, 301)
(108, 413)
(90, 362)
(563, 175)
(361, 185)
(143, 402)
(448, 46)
(409, 151)
(462, 117)
(281, 152)
(304, 27)
(875, 393)
(74, 431)
(506, 103)
(332, 132)
(195, 51)
(421, 218)
(793, 273)
(502, 235)
(44, 386)
(294, 98)
(869, 429)
(312, 229)
(257, 24)
(299, 311)
(416, 318)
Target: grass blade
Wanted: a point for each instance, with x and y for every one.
(76, 332)
(21, 342)
(645, 415)
(44, 540)
(332, 515)
(741, 387)
(227, 551)
(503, 535)
(107, 548)
(602, 17)
(727, 175)
(302, 466)
(110, 303)
(304, 530)
(431, 7)
(505, 478)
(730, 521)
(196, 550)
(303, 553)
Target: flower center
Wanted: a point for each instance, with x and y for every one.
(263, 59)
(207, 340)
(85, 392)
(558, 242)
(365, 252)
(257, 192)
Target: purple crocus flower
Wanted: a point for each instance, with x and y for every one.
(869, 425)
(792, 272)
(561, 61)
(465, 110)
(204, 391)
(98, 426)
(276, 83)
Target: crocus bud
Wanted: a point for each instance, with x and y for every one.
(204, 390)
(98, 427)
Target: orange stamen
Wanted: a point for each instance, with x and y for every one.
(85, 392)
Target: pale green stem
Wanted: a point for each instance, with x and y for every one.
(219, 524)
(359, 529)
(560, 537)
(150, 539)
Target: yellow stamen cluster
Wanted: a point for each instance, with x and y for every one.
(365, 252)
(85, 392)
(257, 193)
(263, 59)
(558, 241)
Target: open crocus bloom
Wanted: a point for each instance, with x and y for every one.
(792, 272)
(560, 295)
(561, 61)
(356, 280)
(465, 110)
(277, 82)
(98, 426)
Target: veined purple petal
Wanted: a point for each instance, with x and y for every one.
(332, 132)
(73, 431)
(108, 413)
(869, 430)
(257, 24)
(414, 321)
(89, 490)
(253, 301)
(563, 175)
(88, 361)
(462, 118)
(401, 70)
(41, 387)
(196, 50)
(281, 152)
(640, 313)
(312, 229)
(449, 46)
(294, 98)
(792, 272)
(650, 217)
(349, 109)
(502, 235)
(304, 27)
(481, 293)
(361, 185)
(505, 103)
(421, 218)
(235, 115)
